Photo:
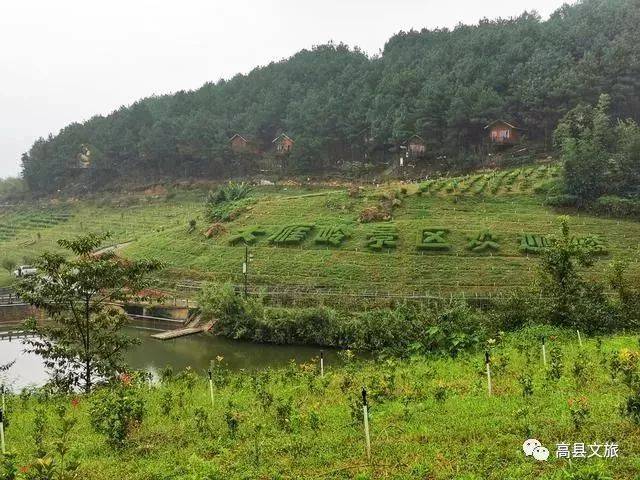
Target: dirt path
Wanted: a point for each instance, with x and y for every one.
(112, 248)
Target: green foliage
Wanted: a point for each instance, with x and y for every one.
(530, 243)
(598, 157)
(238, 437)
(115, 411)
(82, 340)
(291, 234)
(483, 242)
(571, 301)
(229, 192)
(430, 82)
(226, 211)
(8, 264)
(227, 202)
(617, 206)
(433, 239)
(8, 466)
(563, 200)
(332, 235)
(247, 235)
(12, 188)
(444, 329)
(556, 364)
(526, 382)
(381, 236)
(586, 473)
(591, 243)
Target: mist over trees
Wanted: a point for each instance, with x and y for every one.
(336, 102)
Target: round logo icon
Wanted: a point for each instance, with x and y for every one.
(530, 445)
(541, 454)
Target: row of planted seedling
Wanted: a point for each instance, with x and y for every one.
(478, 184)
(116, 410)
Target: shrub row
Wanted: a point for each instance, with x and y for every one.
(533, 243)
(382, 236)
(291, 234)
(247, 235)
(617, 206)
(483, 242)
(332, 235)
(432, 239)
(449, 329)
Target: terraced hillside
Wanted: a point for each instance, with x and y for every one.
(466, 234)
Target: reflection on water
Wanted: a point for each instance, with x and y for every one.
(28, 369)
(195, 351)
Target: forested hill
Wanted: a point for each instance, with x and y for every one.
(337, 103)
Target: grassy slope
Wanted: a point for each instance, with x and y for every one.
(507, 207)
(465, 436)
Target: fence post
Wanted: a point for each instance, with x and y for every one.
(211, 385)
(365, 412)
(2, 446)
(487, 362)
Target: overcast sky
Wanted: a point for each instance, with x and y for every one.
(66, 60)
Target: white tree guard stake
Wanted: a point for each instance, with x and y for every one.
(579, 338)
(544, 352)
(2, 447)
(365, 412)
(211, 386)
(487, 362)
(322, 363)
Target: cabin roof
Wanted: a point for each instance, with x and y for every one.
(247, 137)
(510, 125)
(282, 136)
(418, 137)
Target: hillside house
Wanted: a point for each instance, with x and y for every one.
(503, 133)
(416, 147)
(243, 143)
(283, 143)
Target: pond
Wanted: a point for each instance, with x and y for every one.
(152, 355)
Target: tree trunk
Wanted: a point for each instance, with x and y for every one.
(87, 376)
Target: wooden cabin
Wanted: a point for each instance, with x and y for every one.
(416, 147)
(243, 143)
(503, 133)
(283, 143)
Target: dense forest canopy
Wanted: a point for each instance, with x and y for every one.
(335, 102)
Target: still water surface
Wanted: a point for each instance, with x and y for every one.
(152, 355)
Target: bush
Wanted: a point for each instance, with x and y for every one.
(563, 200)
(399, 331)
(530, 243)
(291, 234)
(8, 264)
(226, 211)
(230, 192)
(484, 242)
(433, 239)
(549, 187)
(374, 214)
(227, 202)
(115, 411)
(617, 206)
(382, 236)
(332, 235)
